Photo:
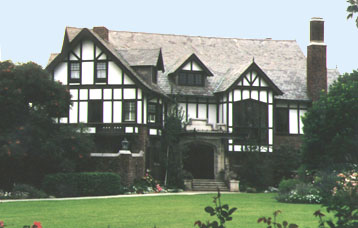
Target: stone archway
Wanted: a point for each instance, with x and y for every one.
(199, 160)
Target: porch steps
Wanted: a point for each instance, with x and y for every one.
(209, 185)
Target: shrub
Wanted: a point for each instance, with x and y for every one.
(82, 184)
(23, 191)
(254, 169)
(343, 201)
(325, 181)
(285, 162)
(295, 191)
(286, 186)
(31, 191)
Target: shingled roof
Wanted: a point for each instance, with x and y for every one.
(227, 58)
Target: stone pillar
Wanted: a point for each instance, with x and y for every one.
(234, 186)
(125, 163)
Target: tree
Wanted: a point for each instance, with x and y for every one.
(352, 9)
(31, 143)
(173, 127)
(331, 126)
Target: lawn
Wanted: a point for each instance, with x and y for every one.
(177, 211)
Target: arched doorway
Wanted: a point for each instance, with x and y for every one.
(199, 160)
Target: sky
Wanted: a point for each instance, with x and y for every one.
(32, 30)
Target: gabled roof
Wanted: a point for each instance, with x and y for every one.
(72, 38)
(194, 58)
(253, 67)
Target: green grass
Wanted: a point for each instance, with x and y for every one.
(163, 211)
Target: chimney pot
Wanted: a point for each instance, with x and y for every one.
(317, 30)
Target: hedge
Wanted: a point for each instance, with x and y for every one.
(82, 184)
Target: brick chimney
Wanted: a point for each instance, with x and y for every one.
(102, 32)
(316, 60)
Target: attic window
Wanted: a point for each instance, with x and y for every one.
(191, 78)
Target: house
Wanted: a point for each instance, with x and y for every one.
(238, 95)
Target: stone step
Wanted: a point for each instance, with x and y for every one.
(209, 185)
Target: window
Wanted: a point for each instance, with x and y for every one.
(74, 72)
(155, 75)
(95, 111)
(155, 114)
(152, 113)
(191, 78)
(251, 121)
(101, 72)
(282, 121)
(130, 111)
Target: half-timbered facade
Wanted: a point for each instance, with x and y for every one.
(237, 95)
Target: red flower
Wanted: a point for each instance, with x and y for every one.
(37, 225)
(2, 224)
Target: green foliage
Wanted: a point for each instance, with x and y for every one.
(32, 192)
(285, 162)
(288, 185)
(331, 126)
(273, 223)
(171, 150)
(325, 181)
(261, 170)
(82, 184)
(222, 212)
(23, 191)
(295, 191)
(343, 201)
(30, 140)
(254, 169)
(352, 9)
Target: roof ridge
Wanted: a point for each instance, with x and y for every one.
(198, 36)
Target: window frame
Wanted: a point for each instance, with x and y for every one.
(70, 71)
(124, 110)
(158, 114)
(244, 122)
(95, 110)
(96, 70)
(278, 120)
(190, 78)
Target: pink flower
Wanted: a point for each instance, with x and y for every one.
(159, 189)
(2, 224)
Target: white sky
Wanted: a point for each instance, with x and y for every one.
(31, 30)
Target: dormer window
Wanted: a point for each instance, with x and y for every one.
(191, 78)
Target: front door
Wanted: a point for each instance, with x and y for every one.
(199, 161)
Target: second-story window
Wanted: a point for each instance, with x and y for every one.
(74, 71)
(101, 72)
(191, 78)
